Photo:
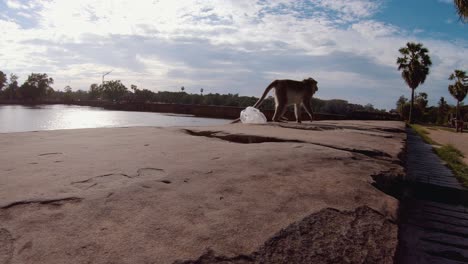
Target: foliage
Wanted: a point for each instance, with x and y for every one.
(114, 90)
(68, 94)
(421, 100)
(414, 66)
(454, 159)
(443, 110)
(420, 112)
(95, 91)
(36, 86)
(3, 80)
(462, 9)
(11, 91)
(423, 133)
(400, 106)
(459, 89)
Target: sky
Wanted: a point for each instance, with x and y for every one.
(234, 46)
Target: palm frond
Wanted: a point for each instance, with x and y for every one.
(414, 64)
(462, 9)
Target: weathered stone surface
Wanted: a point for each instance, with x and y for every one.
(6, 246)
(153, 195)
(328, 236)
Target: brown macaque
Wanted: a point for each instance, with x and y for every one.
(288, 92)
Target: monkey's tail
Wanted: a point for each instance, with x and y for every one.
(236, 121)
(267, 90)
(257, 104)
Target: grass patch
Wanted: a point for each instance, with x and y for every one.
(453, 157)
(449, 154)
(423, 133)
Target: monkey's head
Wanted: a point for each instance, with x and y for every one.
(313, 84)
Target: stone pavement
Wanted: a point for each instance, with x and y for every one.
(434, 211)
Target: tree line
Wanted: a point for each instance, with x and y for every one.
(38, 87)
(414, 65)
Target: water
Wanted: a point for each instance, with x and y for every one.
(18, 118)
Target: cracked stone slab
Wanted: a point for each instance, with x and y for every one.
(6, 246)
(186, 193)
(328, 236)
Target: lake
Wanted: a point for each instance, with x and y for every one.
(19, 118)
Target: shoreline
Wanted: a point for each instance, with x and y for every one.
(137, 194)
(210, 111)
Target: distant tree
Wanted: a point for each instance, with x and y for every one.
(414, 67)
(36, 86)
(201, 91)
(12, 88)
(335, 106)
(400, 102)
(3, 80)
(133, 87)
(459, 89)
(402, 107)
(182, 89)
(95, 91)
(421, 101)
(442, 111)
(68, 97)
(145, 95)
(114, 90)
(369, 107)
(462, 9)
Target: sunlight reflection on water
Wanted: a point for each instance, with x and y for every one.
(18, 118)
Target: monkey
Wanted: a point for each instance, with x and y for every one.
(288, 92)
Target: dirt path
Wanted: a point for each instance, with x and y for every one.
(458, 140)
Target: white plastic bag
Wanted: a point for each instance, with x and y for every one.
(252, 115)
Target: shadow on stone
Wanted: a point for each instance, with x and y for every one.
(238, 138)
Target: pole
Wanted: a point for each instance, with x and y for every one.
(105, 75)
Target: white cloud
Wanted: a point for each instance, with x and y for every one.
(15, 4)
(353, 9)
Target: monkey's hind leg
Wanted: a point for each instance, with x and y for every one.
(308, 109)
(297, 112)
(279, 112)
(282, 118)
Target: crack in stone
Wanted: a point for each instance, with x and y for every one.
(237, 138)
(94, 181)
(50, 153)
(100, 176)
(323, 127)
(141, 171)
(55, 202)
(253, 139)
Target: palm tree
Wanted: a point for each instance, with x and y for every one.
(460, 88)
(442, 110)
(414, 67)
(462, 9)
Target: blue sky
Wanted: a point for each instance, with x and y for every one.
(234, 46)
